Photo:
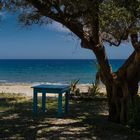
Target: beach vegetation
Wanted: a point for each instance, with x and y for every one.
(96, 23)
(93, 90)
(74, 90)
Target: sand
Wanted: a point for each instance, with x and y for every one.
(25, 89)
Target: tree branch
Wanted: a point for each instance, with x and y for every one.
(130, 69)
(112, 43)
(135, 42)
(124, 36)
(74, 26)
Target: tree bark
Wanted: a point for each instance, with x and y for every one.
(121, 86)
(123, 89)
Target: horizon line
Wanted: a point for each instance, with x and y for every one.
(58, 59)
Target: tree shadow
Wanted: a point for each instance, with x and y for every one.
(86, 120)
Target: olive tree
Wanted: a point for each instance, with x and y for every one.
(95, 22)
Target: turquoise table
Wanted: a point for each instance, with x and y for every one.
(53, 89)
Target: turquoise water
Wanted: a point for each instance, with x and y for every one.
(51, 71)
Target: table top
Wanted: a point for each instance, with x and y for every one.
(52, 88)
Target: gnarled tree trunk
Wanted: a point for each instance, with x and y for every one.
(121, 86)
(122, 89)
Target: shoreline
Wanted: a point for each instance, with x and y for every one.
(26, 90)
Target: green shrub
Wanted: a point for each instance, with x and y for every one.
(93, 90)
(73, 88)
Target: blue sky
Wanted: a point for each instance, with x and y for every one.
(46, 42)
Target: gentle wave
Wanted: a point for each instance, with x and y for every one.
(3, 81)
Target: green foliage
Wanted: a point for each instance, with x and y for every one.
(113, 19)
(115, 22)
(73, 86)
(93, 90)
(132, 5)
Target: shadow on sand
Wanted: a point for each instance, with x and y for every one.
(86, 120)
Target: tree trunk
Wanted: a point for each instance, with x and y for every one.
(120, 98)
(118, 101)
(123, 89)
(121, 86)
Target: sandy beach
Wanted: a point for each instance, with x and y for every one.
(25, 88)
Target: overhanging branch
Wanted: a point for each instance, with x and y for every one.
(75, 26)
(112, 43)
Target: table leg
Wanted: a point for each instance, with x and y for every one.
(67, 102)
(43, 101)
(60, 105)
(35, 101)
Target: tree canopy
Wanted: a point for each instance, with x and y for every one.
(112, 20)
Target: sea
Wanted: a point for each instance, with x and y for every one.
(61, 71)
